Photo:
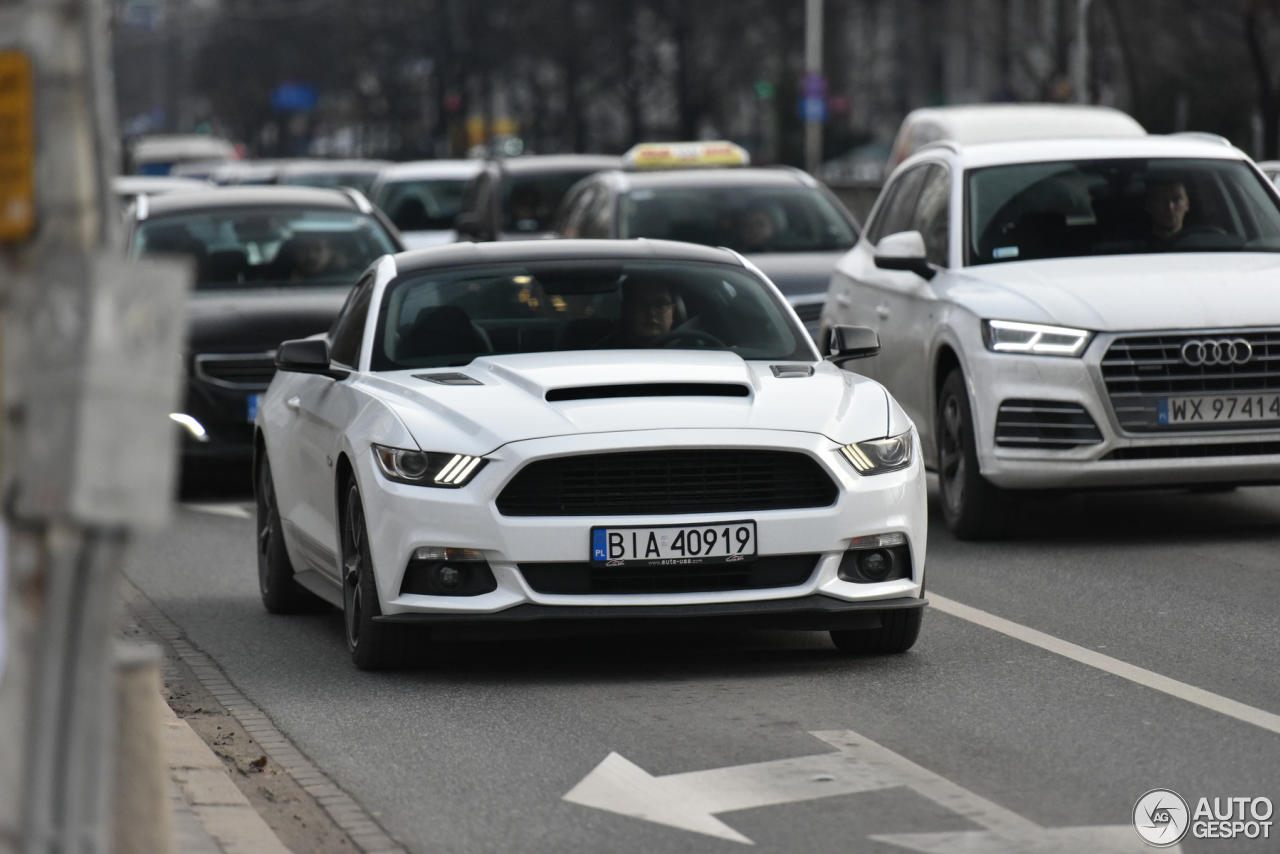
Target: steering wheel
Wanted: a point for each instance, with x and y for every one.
(704, 339)
(1195, 230)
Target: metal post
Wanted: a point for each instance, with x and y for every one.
(813, 73)
(90, 349)
(1080, 75)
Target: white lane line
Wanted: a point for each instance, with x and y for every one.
(1172, 687)
(235, 511)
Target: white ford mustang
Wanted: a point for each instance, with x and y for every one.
(584, 430)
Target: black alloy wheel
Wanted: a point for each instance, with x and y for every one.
(281, 594)
(373, 645)
(898, 631)
(971, 505)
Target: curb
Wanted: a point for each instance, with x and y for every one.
(365, 832)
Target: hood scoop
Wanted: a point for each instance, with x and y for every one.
(783, 372)
(448, 379)
(597, 392)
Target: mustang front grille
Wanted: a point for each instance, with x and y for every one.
(667, 482)
(582, 578)
(246, 371)
(1048, 424)
(1141, 369)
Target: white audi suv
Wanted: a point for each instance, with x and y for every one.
(1075, 314)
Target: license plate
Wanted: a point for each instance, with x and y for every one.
(255, 400)
(1219, 408)
(672, 545)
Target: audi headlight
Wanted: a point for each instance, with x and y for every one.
(879, 455)
(421, 468)
(1008, 336)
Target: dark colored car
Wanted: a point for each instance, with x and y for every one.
(271, 263)
(781, 219)
(517, 198)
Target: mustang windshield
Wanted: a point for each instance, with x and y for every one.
(1063, 209)
(748, 219)
(451, 316)
(268, 248)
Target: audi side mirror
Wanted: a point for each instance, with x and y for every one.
(308, 356)
(904, 251)
(852, 342)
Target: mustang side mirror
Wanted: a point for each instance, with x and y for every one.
(852, 342)
(467, 225)
(308, 356)
(904, 251)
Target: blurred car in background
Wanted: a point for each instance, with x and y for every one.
(423, 198)
(356, 174)
(233, 173)
(1270, 168)
(128, 187)
(271, 263)
(516, 198)
(781, 219)
(972, 123)
(157, 155)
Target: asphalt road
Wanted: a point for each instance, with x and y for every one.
(475, 752)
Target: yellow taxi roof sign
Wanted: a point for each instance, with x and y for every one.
(17, 147)
(685, 155)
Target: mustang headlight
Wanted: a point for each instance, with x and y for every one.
(880, 455)
(1007, 336)
(422, 468)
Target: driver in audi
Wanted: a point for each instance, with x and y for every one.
(1166, 203)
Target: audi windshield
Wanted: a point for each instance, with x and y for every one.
(1065, 209)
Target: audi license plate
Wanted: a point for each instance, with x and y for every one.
(672, 545)
(1219, 408)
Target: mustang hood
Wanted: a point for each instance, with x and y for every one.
(540, 395)
(1129, 292)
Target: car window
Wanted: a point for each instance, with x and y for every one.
(573, 209)
(1029, 211)
(267, 247)
(931, 214)
(744, 218)
(424, 205)
(529, 202)
(595, 219)
(348, 327)
(895, 214)
(451, 316)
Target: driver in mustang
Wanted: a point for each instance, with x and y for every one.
(648, 311)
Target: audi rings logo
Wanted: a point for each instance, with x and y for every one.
(1224, 351)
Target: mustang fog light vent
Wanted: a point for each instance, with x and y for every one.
(879, 557)
(447, 571)
(879, 455)
(422, 468)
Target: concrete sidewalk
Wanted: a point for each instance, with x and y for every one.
(210, 814)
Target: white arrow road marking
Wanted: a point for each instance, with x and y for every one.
(690, 801)
(1114, 666)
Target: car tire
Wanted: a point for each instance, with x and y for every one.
(898, 632)
(373, 645)
(281, 594)
(973, 507)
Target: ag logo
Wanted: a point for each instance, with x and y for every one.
(1160, 817)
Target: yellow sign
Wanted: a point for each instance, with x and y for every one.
(677, 155)
(17, 146)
